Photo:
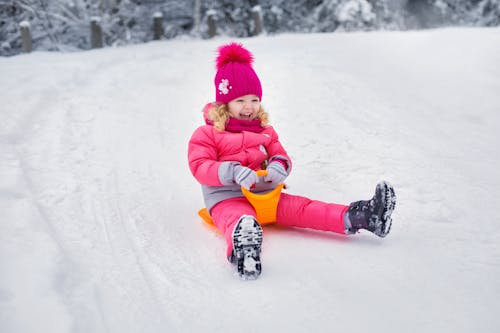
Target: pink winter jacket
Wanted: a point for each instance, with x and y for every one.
(213, 154)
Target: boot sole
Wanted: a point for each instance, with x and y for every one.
(389, 203)
(247, 243)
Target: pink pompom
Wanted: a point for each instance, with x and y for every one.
(233, 52)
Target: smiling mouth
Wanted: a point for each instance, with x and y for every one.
(246, 116)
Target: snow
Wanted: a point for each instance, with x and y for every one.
(99, 231)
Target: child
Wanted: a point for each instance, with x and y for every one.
(235, 142)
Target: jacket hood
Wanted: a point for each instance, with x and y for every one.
(206, 110)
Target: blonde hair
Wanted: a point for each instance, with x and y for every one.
(220, 116)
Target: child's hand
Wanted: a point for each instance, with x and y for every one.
(276, 173)
(244, 176)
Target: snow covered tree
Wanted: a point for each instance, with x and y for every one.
(232, 17)
(488, 13)
(282, 15)
(345, 15)
(65, 24)
(387, 14)
(10, 16)
(469, 12)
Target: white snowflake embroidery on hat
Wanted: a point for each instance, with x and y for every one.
(224, 86)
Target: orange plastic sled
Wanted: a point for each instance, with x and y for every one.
(265, 205)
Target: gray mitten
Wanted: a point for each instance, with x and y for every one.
(244, 176)
(276, 173)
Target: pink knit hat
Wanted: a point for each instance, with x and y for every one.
(235, 76)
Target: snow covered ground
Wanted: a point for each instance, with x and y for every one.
(98, 224)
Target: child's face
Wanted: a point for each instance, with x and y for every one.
(244, 107)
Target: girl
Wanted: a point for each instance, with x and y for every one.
(235, 142)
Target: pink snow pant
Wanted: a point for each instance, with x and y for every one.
(293, 211)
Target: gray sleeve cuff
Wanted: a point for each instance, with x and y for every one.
(281, 158)
(226, 173)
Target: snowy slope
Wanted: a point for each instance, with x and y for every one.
(98, 224)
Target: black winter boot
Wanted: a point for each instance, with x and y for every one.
(374, 214)
(247, 241)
